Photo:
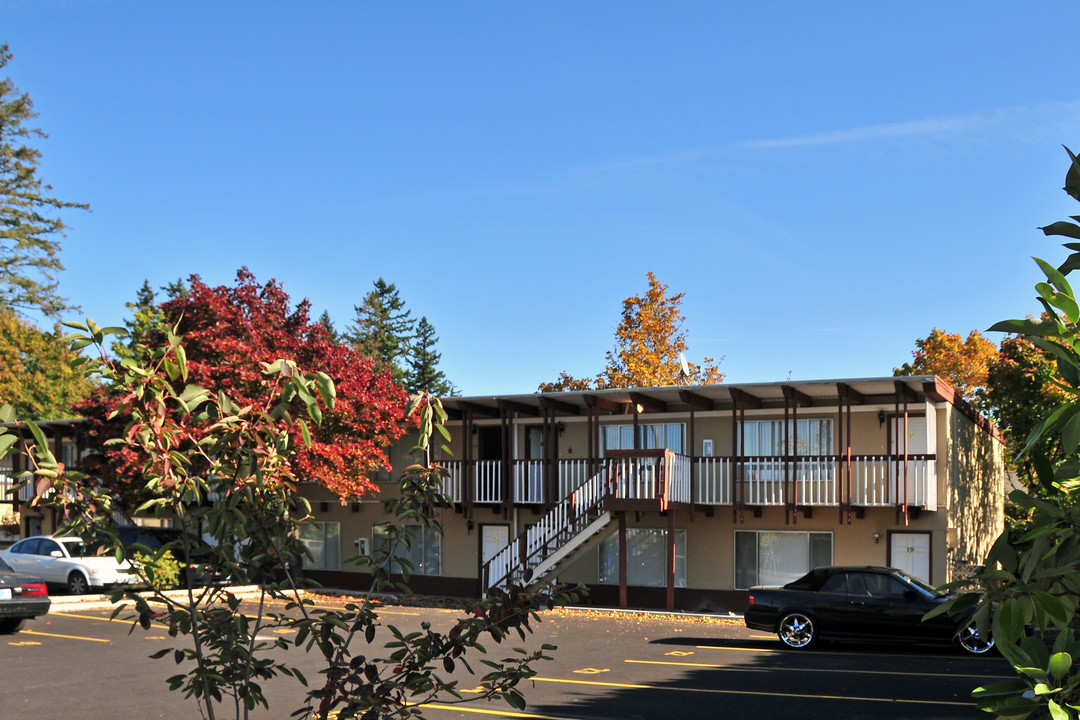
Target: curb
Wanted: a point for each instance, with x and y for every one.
(77, 603)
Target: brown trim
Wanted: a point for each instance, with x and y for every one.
(622, 561)
(648, 403)
(480, 547)
(696, 401)
(558, 406)
(671, 561)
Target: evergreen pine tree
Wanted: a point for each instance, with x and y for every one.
(423, 361)
(328, 326)
(29, 228)
(383, 328)
(145, 318)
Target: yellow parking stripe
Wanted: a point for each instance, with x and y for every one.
(95, 617)
(831, 653)
(500, 713)
(65, 637)
(815, 670)
(770, 693)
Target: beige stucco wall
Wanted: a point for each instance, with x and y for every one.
(869, 436)
(710, 542)
(975, 466)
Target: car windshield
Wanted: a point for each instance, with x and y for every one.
(75, 547)
(919, 583)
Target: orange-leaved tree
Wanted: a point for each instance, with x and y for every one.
(649, 345)
(964, 363)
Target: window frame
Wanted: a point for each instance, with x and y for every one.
(757, 571)
(324, 525)
(613, 540)
(422, 535)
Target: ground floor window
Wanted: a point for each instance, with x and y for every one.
(323, 541)
(423, 554)
(775, 558)
(646, 558)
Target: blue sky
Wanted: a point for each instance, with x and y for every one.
(825, 182)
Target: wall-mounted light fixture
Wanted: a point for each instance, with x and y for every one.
(562, 428)
(324, 507)
(469, 525)
(880, 417)
(877, 538)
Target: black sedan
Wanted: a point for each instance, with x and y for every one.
(21, 598)
(859, 603)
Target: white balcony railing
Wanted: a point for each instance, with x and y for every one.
(875, 480)
(7, 486)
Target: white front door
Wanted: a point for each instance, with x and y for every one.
(494, 538)
(910, 552)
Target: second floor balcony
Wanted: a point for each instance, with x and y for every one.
(666, 477)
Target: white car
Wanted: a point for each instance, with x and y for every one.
(66, 562)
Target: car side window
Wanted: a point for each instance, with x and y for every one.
(46, 547)
(883, 586)
(836, 584)
(862, 584)
(26, 547)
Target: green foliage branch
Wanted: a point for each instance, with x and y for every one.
(1027, 592)
(246, 500)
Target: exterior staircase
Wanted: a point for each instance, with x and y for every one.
(583, 516)
(559, 535)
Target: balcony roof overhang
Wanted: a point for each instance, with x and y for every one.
(681, 398)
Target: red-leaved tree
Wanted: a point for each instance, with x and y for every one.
(227, 332)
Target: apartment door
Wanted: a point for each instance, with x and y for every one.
(494, 538)
(916, 435)
(910, 552)
(916, 445)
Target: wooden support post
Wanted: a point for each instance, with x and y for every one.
(671, 560)
(623, 599)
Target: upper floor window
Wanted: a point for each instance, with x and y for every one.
(766, 437)
(666, 435)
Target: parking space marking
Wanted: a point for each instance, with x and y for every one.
(501, 713)
(818, 670)
(95, 617)
(25, 643)
(831, 653)
(770, 693)
(65, 637)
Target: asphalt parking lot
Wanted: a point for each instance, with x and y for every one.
(81, 664)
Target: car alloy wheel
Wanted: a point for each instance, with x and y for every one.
(796, 630)
(970, 639)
